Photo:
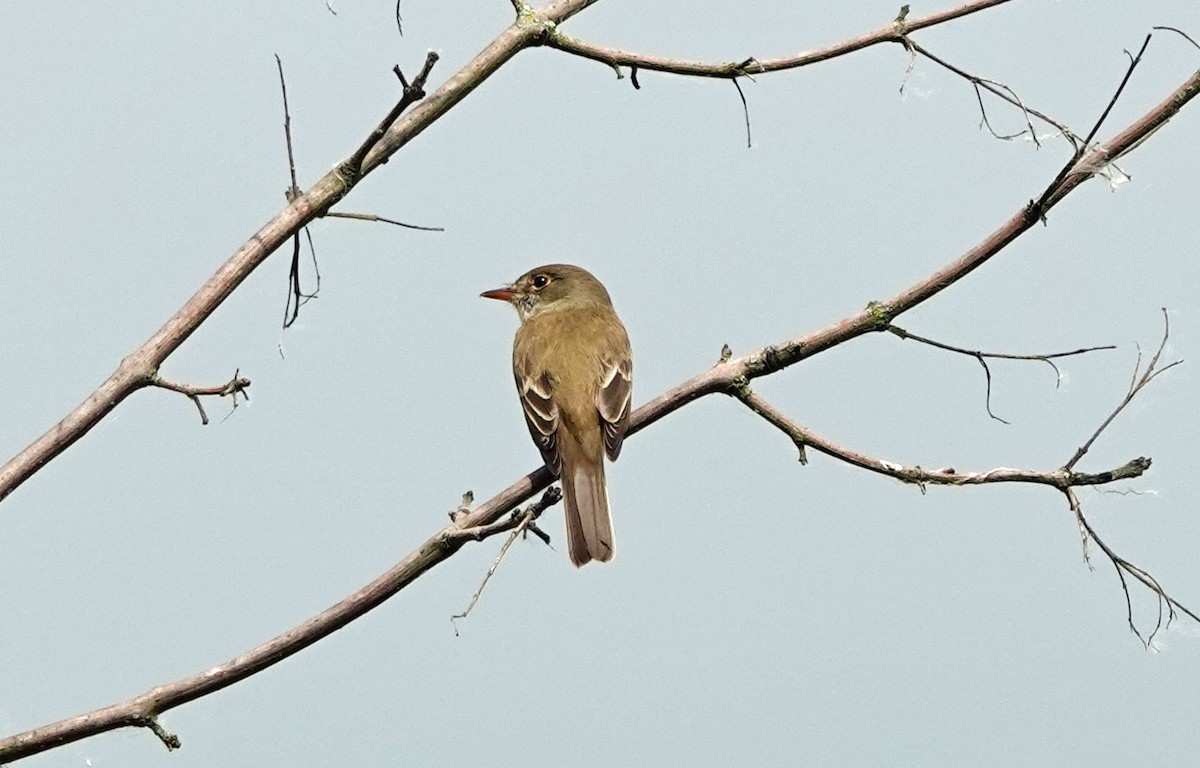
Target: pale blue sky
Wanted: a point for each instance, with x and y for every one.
(758, 611)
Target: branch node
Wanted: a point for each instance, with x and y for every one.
(743, 68)
(772, 358)
(881, 315)
(917, 478)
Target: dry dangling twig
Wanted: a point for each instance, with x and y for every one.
(520, 522)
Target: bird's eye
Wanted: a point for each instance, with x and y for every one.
(540, 281)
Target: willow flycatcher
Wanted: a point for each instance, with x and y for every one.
(574, 373)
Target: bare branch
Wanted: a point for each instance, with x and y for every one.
(1136, 385)
(410, 94)
(294, 190)
(1123, 568)
(1181, 33)
(1063, 479)
(138, 369)
(381, 219)
(879, 314)
(897, 31)
(296, 296)
(1003, 92)
(1088, 169)
(524, 521)
(892, 33)
(904, 334)
(1056, 478)
(237, 385)
(980, 358)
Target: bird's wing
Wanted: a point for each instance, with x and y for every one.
(541, 414)
(612, 401)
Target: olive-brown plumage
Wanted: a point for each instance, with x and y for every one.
(574, 374)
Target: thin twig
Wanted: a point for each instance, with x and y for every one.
(294, 190)
(237, 385)
(410, 94)
(980, 358)
(1137, 384)
(1124, 567)
(1002, 92)
(296, 296)
(745, 110)
(1180, 32)
(373, 217)
(524, 521)
(1037, 211)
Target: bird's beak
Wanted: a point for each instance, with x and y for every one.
(503, 294)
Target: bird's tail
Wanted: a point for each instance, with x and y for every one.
(589, 526)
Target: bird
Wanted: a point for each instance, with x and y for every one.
(573, 367)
